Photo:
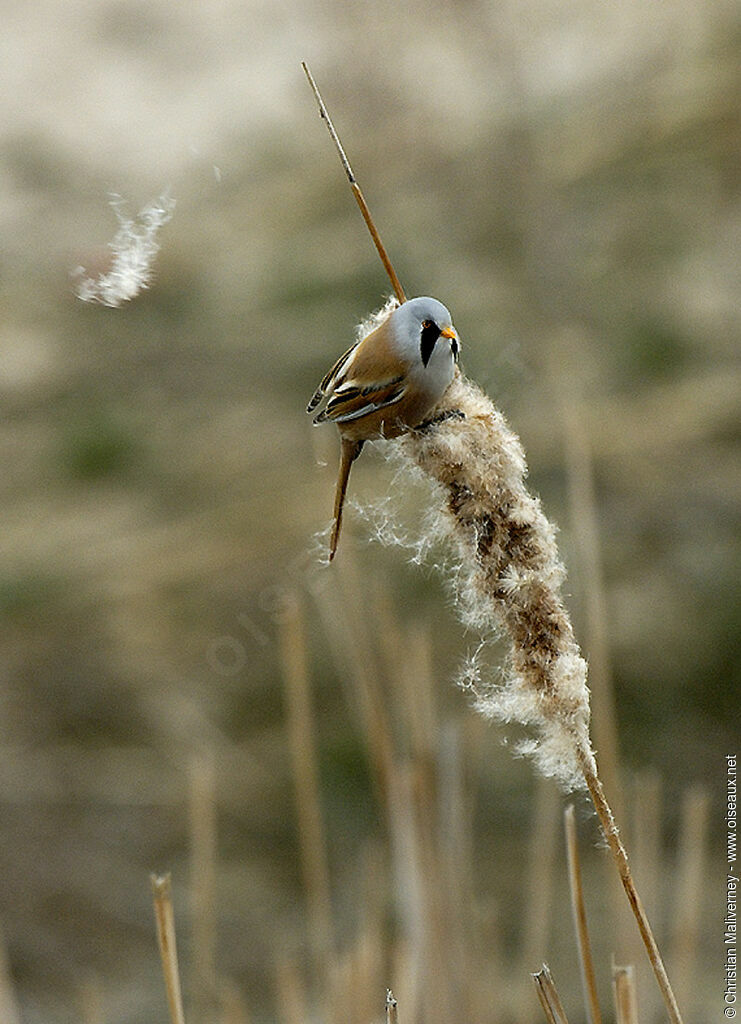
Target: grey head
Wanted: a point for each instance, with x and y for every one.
(423, 327)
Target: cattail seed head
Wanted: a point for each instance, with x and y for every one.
(507, 576)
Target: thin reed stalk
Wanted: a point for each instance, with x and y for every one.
(624, 994)
(548, 996)
(165, 918)
(589, 981)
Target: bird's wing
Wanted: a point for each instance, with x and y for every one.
(353, 399)
(330, 377)
(364, 379)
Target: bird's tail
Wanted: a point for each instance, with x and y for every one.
(349, 452)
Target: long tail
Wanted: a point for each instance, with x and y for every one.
(349, 452)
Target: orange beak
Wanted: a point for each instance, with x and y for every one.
(448, 332)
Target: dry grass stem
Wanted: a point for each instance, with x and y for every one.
(306, 780)
(165, 918)
(578, 909)
(624, 994)
(203, 844)
(548, 996)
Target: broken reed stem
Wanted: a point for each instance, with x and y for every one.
(508, 577)
(589, 980)
(548, 996)
(624, 994)
(391, 1015)
(165, 918)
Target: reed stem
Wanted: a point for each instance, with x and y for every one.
(548, 996)
(165, 918)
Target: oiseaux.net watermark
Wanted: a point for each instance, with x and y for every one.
(730, 920)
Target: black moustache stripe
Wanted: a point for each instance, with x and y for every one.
(430, 334)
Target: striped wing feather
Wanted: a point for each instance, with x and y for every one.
(364, 379)
(351, 400)
(329, 378)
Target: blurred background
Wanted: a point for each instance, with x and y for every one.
(566, 177)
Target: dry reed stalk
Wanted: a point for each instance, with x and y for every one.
(548, 996)
(306, 779)
(589, 981)
(203, 845)
(165, 918)
(689, 888)
(9, 1012)
(508, 577)
(624, 994)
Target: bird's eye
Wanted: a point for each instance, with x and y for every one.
(430, 334)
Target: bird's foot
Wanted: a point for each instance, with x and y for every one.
(448, 414)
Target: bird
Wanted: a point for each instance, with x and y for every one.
(386, 384)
